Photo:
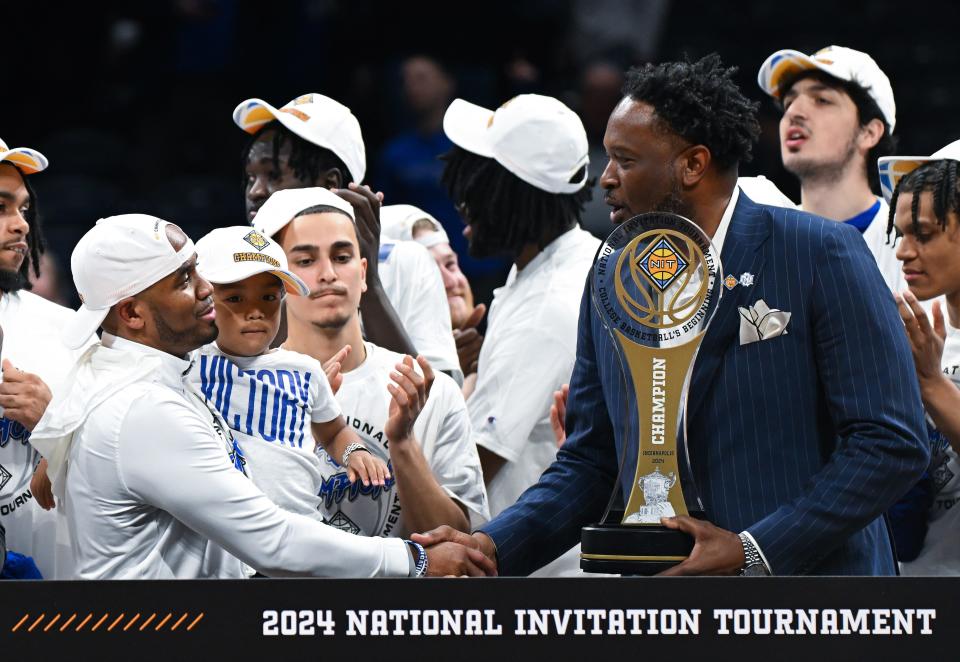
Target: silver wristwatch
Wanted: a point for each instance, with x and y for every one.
(349, 450)
(753, 565)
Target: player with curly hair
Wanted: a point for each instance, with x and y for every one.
(519, 176)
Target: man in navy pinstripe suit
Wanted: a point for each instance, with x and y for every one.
(799, 442)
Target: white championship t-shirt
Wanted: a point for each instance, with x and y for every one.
(413, 284)
(941, 547)
(442, 429)
(269, 402)
(528, 353)
(31, 340)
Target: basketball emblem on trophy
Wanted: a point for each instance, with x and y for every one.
(665, 285)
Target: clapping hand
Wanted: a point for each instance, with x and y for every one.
(926, 340)
(409, 394)
(332, 368)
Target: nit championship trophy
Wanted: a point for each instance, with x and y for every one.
(656, 286)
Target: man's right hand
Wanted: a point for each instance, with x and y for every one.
(333, 366)
(366, 207)
(558, 414)
(469, 341)
(41, 488)
(450, 549)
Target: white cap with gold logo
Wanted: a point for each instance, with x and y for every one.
(229, 255)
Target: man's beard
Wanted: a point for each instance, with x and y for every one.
(483, 244)
(199, 337)
(810, 171)
(11, 281)
(673, 202)
(335, 324)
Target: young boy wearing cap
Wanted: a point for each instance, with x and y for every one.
(838, 118)
(153, 480)
(30, 342)
(267, 396)
(403, 412)
(925, 198)
(316, 141)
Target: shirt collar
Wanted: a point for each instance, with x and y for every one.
(568, 238)
(173, 368)
(862, 220)
(721, 234)
(6, 300)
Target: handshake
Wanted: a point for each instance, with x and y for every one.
(452, 553)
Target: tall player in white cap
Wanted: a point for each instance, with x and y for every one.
(316, 141)
(153, 480)
(519, 175)
(838, 118)
(30, 341)
(416, 422)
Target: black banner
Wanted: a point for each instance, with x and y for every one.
(464, 619)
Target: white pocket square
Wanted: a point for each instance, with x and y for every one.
(760, 322)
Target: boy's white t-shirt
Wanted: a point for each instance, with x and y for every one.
(269, 402)
(941, 547)
(442, 429)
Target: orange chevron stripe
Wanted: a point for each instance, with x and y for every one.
(20, 622)
(147, 622)
(89, 616)
(102, 619)
(195, 621)
(160, 624)
(52, 621)
(39, 618)
(113, 625)
(177, 624)
(132, 621)
(68, 622)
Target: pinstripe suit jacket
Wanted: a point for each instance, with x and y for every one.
(804, 439)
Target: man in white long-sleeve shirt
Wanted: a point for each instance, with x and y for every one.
(155, 485)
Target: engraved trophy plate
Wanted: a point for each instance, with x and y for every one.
(656, 284)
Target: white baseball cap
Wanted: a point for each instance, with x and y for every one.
(25, 159)
(894, 168)
(397, 221)
(229, 255)
(281, 207)
(838, 61)
(118, 257)
(315, 118)
(537, 138)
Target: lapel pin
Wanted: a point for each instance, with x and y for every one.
(730, 282)
(746, 279)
